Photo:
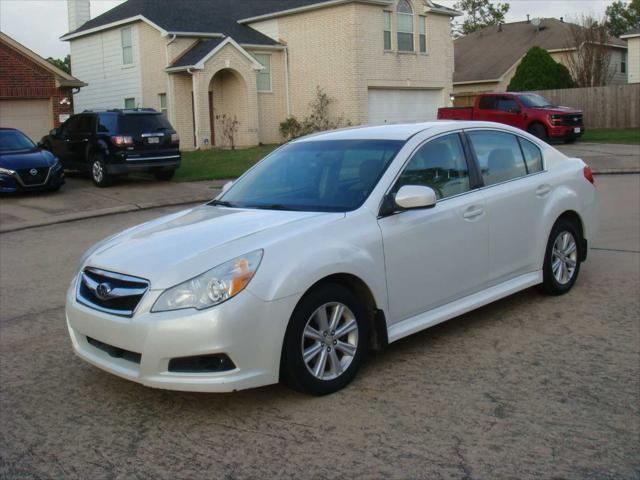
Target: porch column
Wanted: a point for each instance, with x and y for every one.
(201, 110)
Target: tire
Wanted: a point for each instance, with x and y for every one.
(98, 171)
(538, 130)
(305, 333)
(559, 276)
(165, 176)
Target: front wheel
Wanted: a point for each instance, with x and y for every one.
(99, 173)
(538, 130)
(562, 258)
(326, 341)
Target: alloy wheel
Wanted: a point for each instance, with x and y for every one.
(97, 172)
(330, 341)
(564, 257)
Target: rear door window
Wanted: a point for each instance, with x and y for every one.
(488, 103)
(440, 164)
(138, 123)
(499, 156)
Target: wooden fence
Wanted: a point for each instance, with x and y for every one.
(615, 106)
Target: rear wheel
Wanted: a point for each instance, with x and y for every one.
(98, 171)
(326, 341)
(538, 130)
(562, 258)
(165, 175)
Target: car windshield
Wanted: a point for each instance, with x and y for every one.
(533, 100)
(139, 123)
(326, 176)
(13, 140)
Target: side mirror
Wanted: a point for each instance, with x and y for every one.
(411, 197)
(226, 186)
(515, 110)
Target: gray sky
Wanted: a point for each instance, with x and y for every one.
(39, 24)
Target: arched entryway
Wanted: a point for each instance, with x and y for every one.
(228, 108)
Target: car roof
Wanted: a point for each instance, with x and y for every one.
(403, 131)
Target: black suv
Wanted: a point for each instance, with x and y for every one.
(116, 142)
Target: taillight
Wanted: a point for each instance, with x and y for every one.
(175, 138)
(122, 141)
(588, 174)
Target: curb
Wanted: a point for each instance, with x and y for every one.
(132, 207)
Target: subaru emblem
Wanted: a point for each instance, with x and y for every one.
(33, 172)
(103, 291)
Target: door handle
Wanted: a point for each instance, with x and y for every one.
(543, 190)
(473, 212)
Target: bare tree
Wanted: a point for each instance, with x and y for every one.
(229, 128)
(590, 60)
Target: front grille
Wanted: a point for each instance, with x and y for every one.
(574, 120)
(33, 176)
(110, 292)
(115, 352)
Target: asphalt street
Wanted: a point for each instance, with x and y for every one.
(528, 387)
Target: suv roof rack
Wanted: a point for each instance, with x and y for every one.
(121, 110)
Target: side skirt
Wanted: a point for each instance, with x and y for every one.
(463, 305)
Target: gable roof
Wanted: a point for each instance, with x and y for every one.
(222, 17)
(486, 55)
(631, 33)
(202, 50)
(63, 78)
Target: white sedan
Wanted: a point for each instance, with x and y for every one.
(333, 245)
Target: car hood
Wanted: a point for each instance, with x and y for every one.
(175, 248)
(561, 110)
(36, 158)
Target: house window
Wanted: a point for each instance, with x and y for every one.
(129, 103)
(623, 63)
(127, 46)
(387, 30)
(264, 75)
(162, 100)
(405, 26)
(422, 22)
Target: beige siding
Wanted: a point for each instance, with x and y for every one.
(633, 59)
(97, 59)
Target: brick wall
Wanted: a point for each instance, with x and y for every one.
(20, 77)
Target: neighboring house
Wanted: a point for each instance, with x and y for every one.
(260, 61)
(633, 57)
(486, 60)
(35, 96)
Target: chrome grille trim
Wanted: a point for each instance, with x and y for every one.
(118, 288)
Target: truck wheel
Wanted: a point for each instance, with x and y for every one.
(98, 171)
(538, 130)
(165, 175)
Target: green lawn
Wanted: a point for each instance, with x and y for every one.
(612, 135)
(219, 164)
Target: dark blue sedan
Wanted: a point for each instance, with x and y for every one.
(24, 166)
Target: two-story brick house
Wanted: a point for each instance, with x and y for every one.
(260, 61)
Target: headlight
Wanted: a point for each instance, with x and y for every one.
(6, 171)
(213, 287)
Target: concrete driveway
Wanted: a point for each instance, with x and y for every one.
(526, 388)
(604, 157)
(79, 198)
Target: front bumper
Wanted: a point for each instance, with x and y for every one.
(11, 184)
(566, 132)
(248, 330)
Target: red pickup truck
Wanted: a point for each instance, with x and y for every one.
(528, 111)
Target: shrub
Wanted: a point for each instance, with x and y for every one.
(538, 71)
(319, 120)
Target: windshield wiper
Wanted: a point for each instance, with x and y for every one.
(273, 206)
(222, 203)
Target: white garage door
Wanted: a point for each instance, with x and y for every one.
(396, 106)
(33, 117)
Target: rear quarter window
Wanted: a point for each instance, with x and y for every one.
(532, 155)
